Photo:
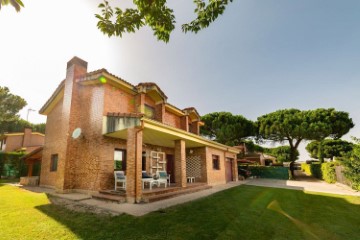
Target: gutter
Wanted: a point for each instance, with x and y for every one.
(136, 156)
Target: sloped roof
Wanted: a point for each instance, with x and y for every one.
(92, 77)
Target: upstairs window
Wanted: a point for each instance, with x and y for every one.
(149, 112)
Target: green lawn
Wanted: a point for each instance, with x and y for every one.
(244, 212)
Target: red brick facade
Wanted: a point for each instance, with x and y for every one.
(86, 163)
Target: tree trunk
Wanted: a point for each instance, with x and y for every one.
(320, 152)
(292, 159)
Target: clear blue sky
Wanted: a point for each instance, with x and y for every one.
(260, 56)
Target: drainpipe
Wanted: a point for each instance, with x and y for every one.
(136, 156)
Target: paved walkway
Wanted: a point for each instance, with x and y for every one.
(303, 183)
(135, 209)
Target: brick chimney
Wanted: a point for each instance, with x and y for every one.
(27, 137)
(75, 68)
(77, 62)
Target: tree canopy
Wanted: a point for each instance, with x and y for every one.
(19, 125)
(157, 15)
(226, 128)
(17, 4)
(330, 148)
(293, 125)
(10, 105)
(281, 153)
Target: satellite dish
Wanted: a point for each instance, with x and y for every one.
(76, 133)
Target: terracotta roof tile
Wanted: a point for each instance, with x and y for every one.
(99, 71)
(118, 114)
(151, 84)
(191, 109)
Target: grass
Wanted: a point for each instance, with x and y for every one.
(244, 212)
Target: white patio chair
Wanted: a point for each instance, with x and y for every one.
(163, 177)
(120, 179)
(147, 179)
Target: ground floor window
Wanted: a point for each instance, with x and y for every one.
(216, 162)
(54, 162)
(119, 160)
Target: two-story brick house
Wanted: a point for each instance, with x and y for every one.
(126, 127)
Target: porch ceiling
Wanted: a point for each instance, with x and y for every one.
(159, 134)
(155, 137)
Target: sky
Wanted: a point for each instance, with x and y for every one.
(258, 57)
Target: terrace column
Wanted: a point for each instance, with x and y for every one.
(30, 169)
(235, 170)
(133, 165)
(180, 163)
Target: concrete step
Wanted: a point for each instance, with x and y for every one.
(109, 198)
(162, 190)
(112, 192)
(158, 197)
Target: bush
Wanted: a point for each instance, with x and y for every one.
(313, 169)
(352, 167)
(269, 172)
(328, 172)
(11, 165)
(306, 168)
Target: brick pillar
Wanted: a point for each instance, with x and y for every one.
(140, 103)
(180, 163)
(208, 165)
(133, 165)
(204, 170)
(195, 128)
(160, 112)
(30, 169)
(184, 122)
(235, 169)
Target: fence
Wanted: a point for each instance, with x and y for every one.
(340, 175)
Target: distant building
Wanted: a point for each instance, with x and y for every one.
(260, 158)
(26, 141)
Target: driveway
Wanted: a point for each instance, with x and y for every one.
(304, 183)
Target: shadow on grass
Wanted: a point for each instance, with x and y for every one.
(245, 212)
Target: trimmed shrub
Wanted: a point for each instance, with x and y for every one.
(315, 169)
(269, 172)
(306, 168)
(312, 169)
(328, 172)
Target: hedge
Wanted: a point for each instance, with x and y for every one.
(269, 172)
(324, 171)
(306, 168)
(11, 165)
(352, 167)
(328, 172)
(313, 169)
